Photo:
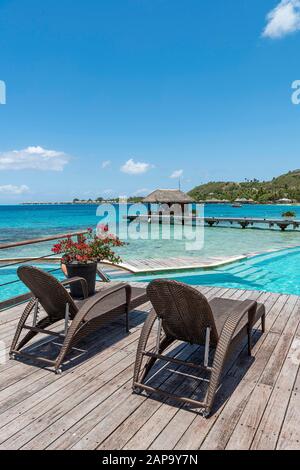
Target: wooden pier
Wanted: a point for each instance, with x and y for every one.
(243, 222)
(91, 406)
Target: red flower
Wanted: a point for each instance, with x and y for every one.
(92, 248)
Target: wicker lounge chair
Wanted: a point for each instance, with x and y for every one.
(184, 314)
(80, 318)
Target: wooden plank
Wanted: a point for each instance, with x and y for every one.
(83, 372)
(99, 424)
(244, 431)
(224, 426)
(269, 374)
(38, 418)
(273, 367)
(285, 313)
(199, 428)
(105, 427)
(43, 389)
(11, 315)
(104, 347)
(81, 402)
(289, 438)
(267, 433)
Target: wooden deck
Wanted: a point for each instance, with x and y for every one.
(158, 265)
(184, 263)
(91, 405)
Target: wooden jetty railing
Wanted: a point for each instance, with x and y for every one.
(5, 263)
(243, 222)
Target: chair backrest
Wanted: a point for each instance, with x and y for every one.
(184, 311)
(51, 294)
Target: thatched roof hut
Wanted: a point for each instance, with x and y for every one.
(168, 196)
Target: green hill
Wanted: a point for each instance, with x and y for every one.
(284, 186)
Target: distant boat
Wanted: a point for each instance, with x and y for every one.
(236, 204)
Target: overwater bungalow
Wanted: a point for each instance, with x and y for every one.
(169, 197)
(244, 200)
(216, 201)
(284, 200)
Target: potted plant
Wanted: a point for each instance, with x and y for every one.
(289, 215)
(80, 257)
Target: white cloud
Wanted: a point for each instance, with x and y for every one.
(11, 189)
(33, 158)
(135, 168)
(283, 19)
(176, 174)
(105, 164)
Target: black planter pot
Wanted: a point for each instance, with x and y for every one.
(88, 272)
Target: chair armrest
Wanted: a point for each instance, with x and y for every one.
(78, 320)
(247, 307)
(92, 302)
(82, 281)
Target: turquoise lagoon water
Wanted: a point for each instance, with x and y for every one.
(25, 222)
(8, 276)
(276, 272)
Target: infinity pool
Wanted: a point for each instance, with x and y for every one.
(273, 272)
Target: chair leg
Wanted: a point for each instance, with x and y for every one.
(70, 339)
(145, 333)
(62, 354)
(28, 309)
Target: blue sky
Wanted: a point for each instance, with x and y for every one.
(113, 97)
